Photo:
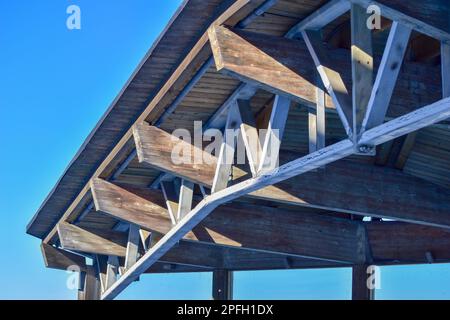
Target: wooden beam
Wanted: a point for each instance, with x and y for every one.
(199, 53)
(392, 242)
(206, 255)
(360, 289)
(317, 122)
(152, 151)
(250, 135)
(406, 150)
(331, 79)
(241, 49)
(274, 135)
(365, 190)
(132, 253)
(56, 258)
(221, 228)
(227, 150)
(185, 202)
(222, 285)
(386, 79)
(375, 197)
(91, 240)
(92, 287)
(445, 66)
(362, 66)
(171, 199)
(261, 62)
(112, 271)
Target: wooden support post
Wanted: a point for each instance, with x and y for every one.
(170, 197)
(360, 288)
(386, 78)
(132, 253)
(274, 134)
(250, 135)
(92, 287)
(222, 285)
(185, 202)
(362, 66)
(81, 285)
(403, 125)
(445, 62)
(112, 270)
(332, 79)
(227, 150)
(316, 119)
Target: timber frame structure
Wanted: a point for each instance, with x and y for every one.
(361, 114)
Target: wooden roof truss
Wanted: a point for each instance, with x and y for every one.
(169, 227)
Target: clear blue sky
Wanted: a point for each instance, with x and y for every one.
(54, 86)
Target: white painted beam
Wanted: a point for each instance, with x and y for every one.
(274, 134)
(250, 136)
(331, 79)
(227, 150)
(186, 196)
(362, 66)
(386, 79)
(132, 253)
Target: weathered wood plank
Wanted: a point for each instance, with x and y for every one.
(222, 285)
(56, 258)
(378, 195)
(262, 62)
(92, 286)
(386, 78)
(164, 152)
(274, 134)
(365, 190)
(250, 135)
(362, 66)
(227, 150)
(91, 241)
(393, 242)
(445, 66)
(360, 289)
(132, 252)
(321, 17)
(185, 202)
(331, 78)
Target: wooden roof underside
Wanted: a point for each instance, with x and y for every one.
(426, 157)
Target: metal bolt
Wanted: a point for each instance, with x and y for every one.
(364, 148)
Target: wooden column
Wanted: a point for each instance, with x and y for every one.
(89, 285)
(360, 291)
(222, 285)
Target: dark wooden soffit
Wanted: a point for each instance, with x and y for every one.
(181, 33)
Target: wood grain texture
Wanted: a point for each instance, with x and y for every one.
(395, 241)
(265, 62)
(92, 241)
(56, 258)
(155, 148)
(339, 240)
